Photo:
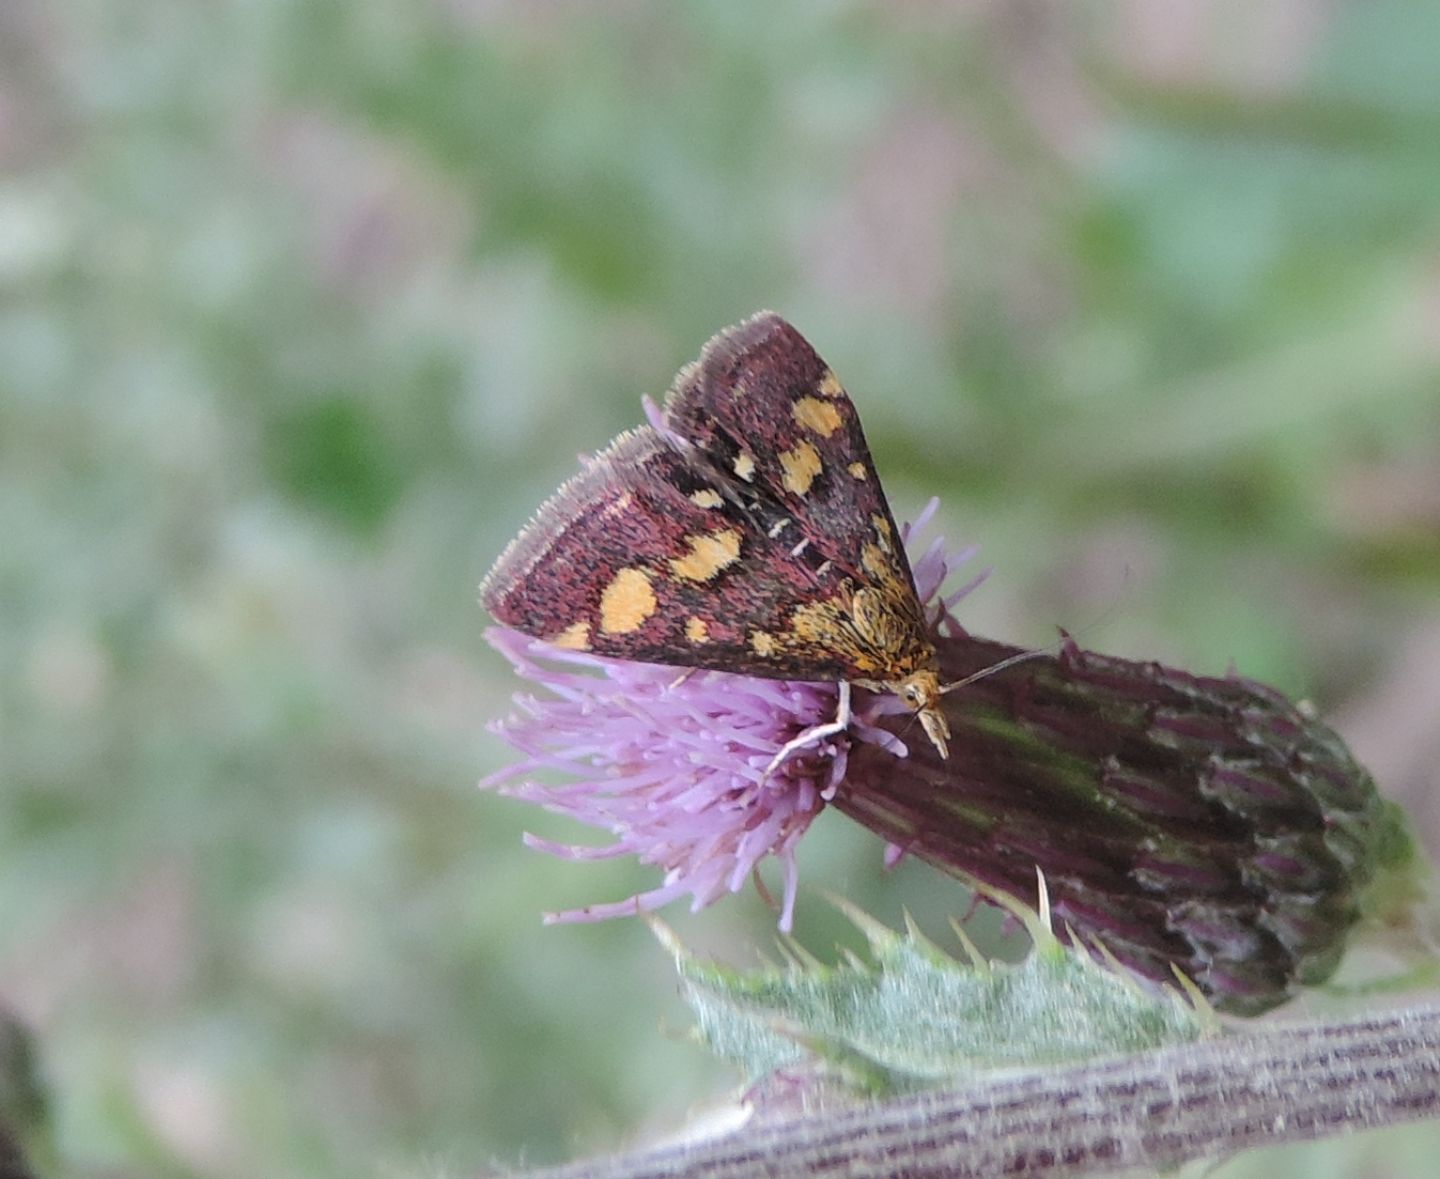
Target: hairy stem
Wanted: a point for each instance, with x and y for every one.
(1275, 1083)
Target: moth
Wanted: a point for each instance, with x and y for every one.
(744, 529)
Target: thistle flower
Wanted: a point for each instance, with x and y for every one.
(1204, 824)
(674, 763)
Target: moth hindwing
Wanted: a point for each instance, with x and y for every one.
(745, 530)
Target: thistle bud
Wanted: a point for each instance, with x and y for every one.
(1203, 822)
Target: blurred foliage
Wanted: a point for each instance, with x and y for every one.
(304, 305)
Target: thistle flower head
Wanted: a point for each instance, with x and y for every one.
(1205, 824)
(673, 762)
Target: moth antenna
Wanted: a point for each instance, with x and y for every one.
(1039, 652)
(1011, 661)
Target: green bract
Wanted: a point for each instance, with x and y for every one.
(916, 1017)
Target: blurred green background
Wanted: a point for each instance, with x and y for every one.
(304, 306)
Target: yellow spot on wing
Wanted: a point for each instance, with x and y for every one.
(801, 463)
(814, 622)
(823, 626)
(763, 644)
(575, 637)
(697, 630)
(745, 466)
(706, 497)
(857, 471)
(627, 602)
(874, 561)
(820, 417)
(709, 553)
(830, 386)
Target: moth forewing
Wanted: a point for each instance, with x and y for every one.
(744, 531)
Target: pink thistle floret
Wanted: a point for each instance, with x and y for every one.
(673, 761)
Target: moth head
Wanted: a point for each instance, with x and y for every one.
(921, 692)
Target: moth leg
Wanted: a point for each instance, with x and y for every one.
(815, 733)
